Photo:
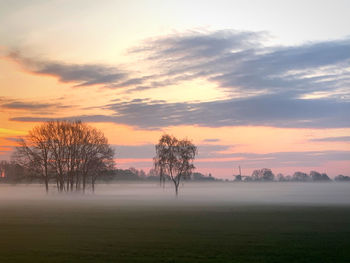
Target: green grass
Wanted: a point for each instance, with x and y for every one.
(52, 231)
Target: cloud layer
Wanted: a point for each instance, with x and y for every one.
(210, 155)
(260, 111)
(295, 86)
(239, 61)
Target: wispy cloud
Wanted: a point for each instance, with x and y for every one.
(194, 45)
(332, 139)
(79, 74)
(26, 105)
(209, 154)
(211, 140)
(279, 159)
(148, 151)
(12, 139)
(37, 107)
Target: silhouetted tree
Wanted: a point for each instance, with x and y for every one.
(238, 178)
(318, 177)
(264, 175)
(70, 152)
(174, 158)
(281, 178)
(288, 178)
(134, 171)
(300, 177)
(342, 178)
(202, 178)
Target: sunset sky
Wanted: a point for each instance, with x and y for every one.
(251, 83)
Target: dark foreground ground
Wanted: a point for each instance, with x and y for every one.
(216, 222)
(98, 231)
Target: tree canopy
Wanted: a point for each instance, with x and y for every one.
(174, 158)
(71, 153)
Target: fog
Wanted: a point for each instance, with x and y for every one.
(211, 194)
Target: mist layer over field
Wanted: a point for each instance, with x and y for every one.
(217, 193)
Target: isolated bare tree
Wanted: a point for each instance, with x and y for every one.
(74, 153)
(174, 158)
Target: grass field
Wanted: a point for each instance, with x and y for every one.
(96, 230)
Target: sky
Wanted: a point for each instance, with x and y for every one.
(256, 84)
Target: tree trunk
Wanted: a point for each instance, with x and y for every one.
(84, 183)
(176, 190)
(77, 182)
(61, 185)
(46, 185)
(46, 180)
(72, 183)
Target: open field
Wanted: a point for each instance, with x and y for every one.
(208, 223)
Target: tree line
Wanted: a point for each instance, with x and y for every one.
(17, 174)
(266, 175)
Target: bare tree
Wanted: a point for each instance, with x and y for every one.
(174, 158)
(33, 153)
(72, 152)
